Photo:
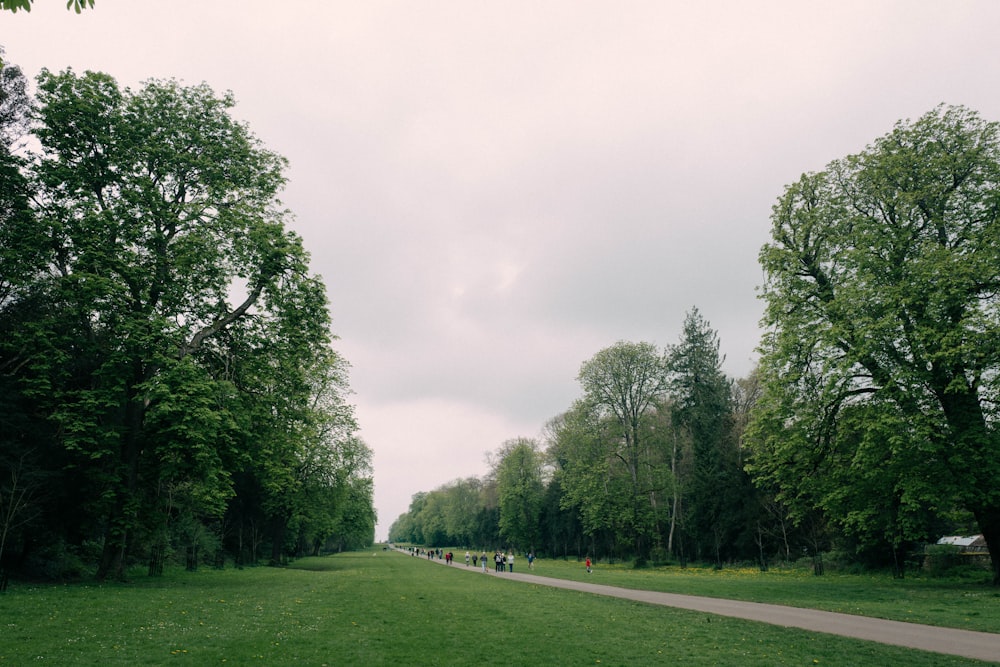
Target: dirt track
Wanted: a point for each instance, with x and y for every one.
(978, 645)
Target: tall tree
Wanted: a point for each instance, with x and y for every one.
(520, 487)
(23, 442)
(461, 512)
(625, 384)
(716, 490)
(20, 262)
(882, 325)
(161, 231)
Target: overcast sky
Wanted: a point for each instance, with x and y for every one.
(495, 191)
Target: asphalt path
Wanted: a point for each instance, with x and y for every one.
(951, 641)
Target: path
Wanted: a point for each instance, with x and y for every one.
(966, 643)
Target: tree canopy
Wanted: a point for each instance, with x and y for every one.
(164, 343)
(881, 361)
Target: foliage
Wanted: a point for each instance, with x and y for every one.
(619, 471)
(716, 493)
(14, 5)
(166, 350)
(520, 489)
(623, 387)
(463, 512)
(880, 361)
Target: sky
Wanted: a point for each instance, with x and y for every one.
(493, 192)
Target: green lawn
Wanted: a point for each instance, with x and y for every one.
(967, 604)
(387, 608)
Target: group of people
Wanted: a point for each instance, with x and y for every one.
(502, 562)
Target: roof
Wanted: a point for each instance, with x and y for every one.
(962, 541)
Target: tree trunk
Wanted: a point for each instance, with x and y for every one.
(113, 554)
(989, 523)
(123, 514)
(974, 442)
(278, 542)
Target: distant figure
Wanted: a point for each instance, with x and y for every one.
(510, 561)
(588, 564)
(466, 559)
(475, 559)
(531, 560)
(482, 560)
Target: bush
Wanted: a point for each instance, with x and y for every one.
(941, 559)
(58, 561)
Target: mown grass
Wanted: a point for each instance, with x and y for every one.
(970, 604)
(388, 608)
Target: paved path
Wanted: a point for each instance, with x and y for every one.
(966, 643)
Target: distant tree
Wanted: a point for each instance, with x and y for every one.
(520, 488)
(717, 488)
(354, 526)
(431, 518)
(462, 510)
(881, 362)
(612, 455)
(405, 528)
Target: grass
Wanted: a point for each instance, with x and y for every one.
(969, 604)
(360, 609)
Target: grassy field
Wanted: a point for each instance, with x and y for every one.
(969, 604)
(387, 608)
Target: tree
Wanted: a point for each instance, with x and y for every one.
(159, 233)
(462, 509)
(881, 354)
(22, 442)
(717, 489)
(625, 384)
(405, 527)
(17, 267)
(354, 526)
(520, 487)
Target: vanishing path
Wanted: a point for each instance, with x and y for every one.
(966, 643)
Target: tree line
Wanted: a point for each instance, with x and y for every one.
(168, 387)
(869, 426)
(647, 464)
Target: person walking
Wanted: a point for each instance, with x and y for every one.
(531, 560)
(482, 559)
(510, 561)
(466, 559)
(588, 564)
